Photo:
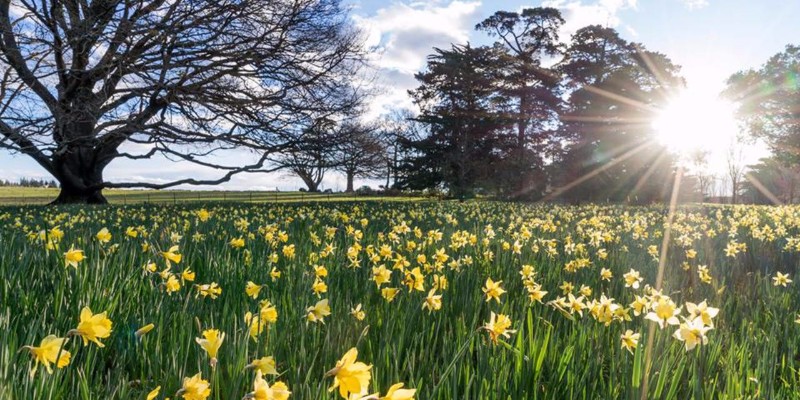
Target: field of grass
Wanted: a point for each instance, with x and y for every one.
(577, 284)
(33, 196)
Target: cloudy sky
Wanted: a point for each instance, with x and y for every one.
(710, 39)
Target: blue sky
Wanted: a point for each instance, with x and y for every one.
(710, 39)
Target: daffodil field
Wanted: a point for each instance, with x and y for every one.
(399, 300)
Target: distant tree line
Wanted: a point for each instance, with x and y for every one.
(30, 182)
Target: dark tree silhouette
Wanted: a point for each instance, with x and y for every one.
(616, 89)
(768, 101)
(532, 91)
(456, 97)
(83, 79)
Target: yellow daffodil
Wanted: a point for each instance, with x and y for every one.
(172, 255)
(104, 236)
(350, 376)
(498, 326)
(493, 290)
(358, 313)
(781, 279)
(263, 391)
(629, 340)
(73, 256)
(195, 388)
(211, 342)
(252, 290)
(50, 351)
(153, 393)
(318, 312)
(265, 365)
(144, 330)
(433, 302)
(692, 333)
(92, 327)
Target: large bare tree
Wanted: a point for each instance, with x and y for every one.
(84, 82)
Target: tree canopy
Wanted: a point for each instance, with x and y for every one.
(87, 82)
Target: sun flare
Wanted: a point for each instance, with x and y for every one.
(696, 121)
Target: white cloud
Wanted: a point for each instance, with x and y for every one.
(403, 34)
(578, 13)
(695, 4)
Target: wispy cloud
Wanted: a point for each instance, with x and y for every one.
(404, 33)
(695, 4)
(578, 13)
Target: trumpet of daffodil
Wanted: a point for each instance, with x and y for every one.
(211, 342)
(50, 351)
(629, 340)
(320, 271)
(252, 290)
(288, 251)
(498, 326)
(73, 256)
(263, 391)
(493, 290)
(237, 243)
(702, 311)
(381, 275)
(575, 304)
(92, 327)
(664, 312)
(640, 305)
(274, 274)
(319, 286)
(268, 312)
(265, 365)
(781, 279)
(358, 313)
(172, 284)
(318, 312)
(535, 292)
(172, 255)
(566, 287)
(150, 267)
(692, 332)
(212, 290)
(153, 393)
(144, 330)
(604, 310)
(389, 293)
(203, 215)
(187, 275)
(131, 232)
(415, 280)
(433, 302)
(350, 376)
(605, 274)
(104, 236)
(195, 388)
(632, 279)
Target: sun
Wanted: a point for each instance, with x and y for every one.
(696, 120)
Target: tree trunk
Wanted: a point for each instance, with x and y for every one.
(79, 176)
(350, 176)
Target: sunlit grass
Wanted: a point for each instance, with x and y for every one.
(444, 354)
